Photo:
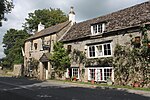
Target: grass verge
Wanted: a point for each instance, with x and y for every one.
(105, 85)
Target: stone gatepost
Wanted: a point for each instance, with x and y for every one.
(18, 69)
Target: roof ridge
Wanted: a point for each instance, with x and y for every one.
(128, 17)
(52, 26)
(116, 11)
(49, 30)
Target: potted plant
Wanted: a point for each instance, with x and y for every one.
(136, 84)
(74, 78)
(92, 81)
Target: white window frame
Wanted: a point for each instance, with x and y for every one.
(103, 75)
(102, 25)
(73, 73)
(91, 51)
(97, 51)
(91, 69)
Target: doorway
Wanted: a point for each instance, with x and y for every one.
(45, 70)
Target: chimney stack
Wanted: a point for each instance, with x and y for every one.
(40, 27)
(72, 16)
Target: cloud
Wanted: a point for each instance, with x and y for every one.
(1, 51)
(84, 10)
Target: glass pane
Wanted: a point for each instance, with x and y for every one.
(99, 50)
(94, 28)
(105, 47)
(93, 51)
(107, 73)
(109, 52)
(90, 51)
(100, 28)
(105, 52)
(108, 46)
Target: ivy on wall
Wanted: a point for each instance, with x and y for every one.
(132, 65)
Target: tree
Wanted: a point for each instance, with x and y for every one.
(13, 40)
(5, 7)
(48, 17)
(60, 59)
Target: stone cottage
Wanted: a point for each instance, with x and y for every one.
(39, 46)
(98, 37)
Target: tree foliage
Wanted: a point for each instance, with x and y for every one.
(48, 17)
(13, 40)
(60, 59)
(5, 7)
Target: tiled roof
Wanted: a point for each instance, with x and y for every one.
(45, 57)
(49, 30)
(129, 17)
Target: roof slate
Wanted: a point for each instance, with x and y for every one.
(49, 30)
(129, 17)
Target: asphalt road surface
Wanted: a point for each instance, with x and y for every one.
(25, 89)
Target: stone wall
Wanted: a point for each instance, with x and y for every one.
(117, 38)
(18, 69)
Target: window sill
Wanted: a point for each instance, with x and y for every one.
(99, 35)
(101, 56)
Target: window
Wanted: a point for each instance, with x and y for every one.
(69, 48)
(75, 72)
(31, 48)
(94, 29)
(100, 73)
(100, 30)
(107, 73)
(137, 43)
(97, 28)
(92, 74)
(92, 51)
(107, 49)
(101, 50)
(35, 46)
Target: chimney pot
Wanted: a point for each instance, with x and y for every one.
(72, 16)
(40, 27)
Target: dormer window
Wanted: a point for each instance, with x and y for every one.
(98, 28)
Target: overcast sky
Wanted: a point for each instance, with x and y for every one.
(84, 9)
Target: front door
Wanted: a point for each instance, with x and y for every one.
(70, 72)
(45, 67)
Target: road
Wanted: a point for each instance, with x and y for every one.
(26, 89)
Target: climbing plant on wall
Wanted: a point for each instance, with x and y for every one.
(79, 58)
(132, 65)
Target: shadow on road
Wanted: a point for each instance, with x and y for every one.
(19, 81)
(53, 91)
(78, 93)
